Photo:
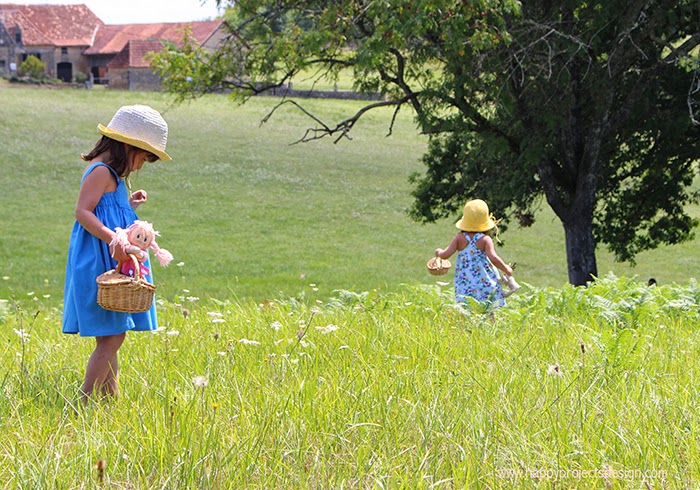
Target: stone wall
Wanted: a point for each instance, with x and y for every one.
(143, 79)
(290, 91)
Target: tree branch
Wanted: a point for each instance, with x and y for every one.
(341, 129)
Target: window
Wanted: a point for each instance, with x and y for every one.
(64, 50)
(18, 36)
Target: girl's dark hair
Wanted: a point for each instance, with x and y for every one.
(119, 155)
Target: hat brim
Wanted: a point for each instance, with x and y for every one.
(484, 227)
(115, 135)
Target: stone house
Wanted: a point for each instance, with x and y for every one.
(56, 34)
(71, 39)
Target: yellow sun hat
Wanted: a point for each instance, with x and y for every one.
(140, 126)
(476, 217)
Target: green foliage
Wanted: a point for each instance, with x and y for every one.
(80, 77)
(592, 388)
(33, 67)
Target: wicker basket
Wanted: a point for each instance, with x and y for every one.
(119, 292)
(438, 266)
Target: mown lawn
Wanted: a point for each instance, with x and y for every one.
(248, 213)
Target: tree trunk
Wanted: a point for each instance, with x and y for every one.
(580, 251)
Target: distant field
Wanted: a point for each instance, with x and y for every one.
(249, 214)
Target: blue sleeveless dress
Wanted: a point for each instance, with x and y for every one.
(88, 257)
(476, 276)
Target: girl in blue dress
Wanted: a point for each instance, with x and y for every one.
(135, 135)
(476, 275)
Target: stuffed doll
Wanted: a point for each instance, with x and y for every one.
(136, 240)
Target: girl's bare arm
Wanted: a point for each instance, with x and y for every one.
(99, 181)
(454, 246)
(490, 250)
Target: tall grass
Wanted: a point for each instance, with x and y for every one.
(249, 214)
(566, 388)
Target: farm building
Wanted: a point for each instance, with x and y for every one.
(71, 39)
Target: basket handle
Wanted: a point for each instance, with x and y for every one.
(137, 266)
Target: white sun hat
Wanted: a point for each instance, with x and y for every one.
(140, 126)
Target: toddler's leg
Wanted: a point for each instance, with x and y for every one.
(103, 367)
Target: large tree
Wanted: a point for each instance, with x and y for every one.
(587, 103)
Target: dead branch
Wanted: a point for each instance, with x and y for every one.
(342, 129)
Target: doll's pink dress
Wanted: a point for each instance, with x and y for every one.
(88, 257)
(476, 276)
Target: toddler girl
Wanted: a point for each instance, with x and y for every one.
(475, 274)
(135, 135)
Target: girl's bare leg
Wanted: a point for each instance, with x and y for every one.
(110, 387)
(103, 367)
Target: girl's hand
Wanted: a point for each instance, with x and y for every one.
(118, 253)
(438, 251)
(137, 198)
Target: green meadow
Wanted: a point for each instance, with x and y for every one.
(564, 388)
(302, 343)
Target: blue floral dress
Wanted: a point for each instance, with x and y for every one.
(476, 277)
(88, 257)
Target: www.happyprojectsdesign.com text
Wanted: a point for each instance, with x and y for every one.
(608, 474)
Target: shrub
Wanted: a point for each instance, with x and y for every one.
(33, 67)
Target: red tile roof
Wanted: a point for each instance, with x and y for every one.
(133, 54)
(57, 25)
(111, 39)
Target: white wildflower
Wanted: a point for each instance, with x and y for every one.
(215, 314)
(276, 325)
(21, 334)
(200, 381)
(192, 298)
(218, 320)
(328, 328)
(249, 342)
(172, 332)
(180, 264)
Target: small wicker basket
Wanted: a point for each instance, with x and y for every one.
(126, 294)
(438, 266)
